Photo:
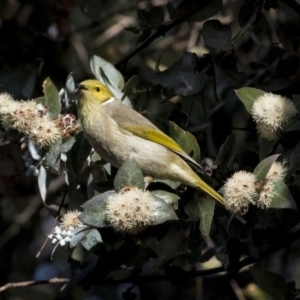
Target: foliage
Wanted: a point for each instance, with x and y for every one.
(200, 91)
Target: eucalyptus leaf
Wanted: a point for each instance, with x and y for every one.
(91, 239)
(264, 166)
(168, 197)
(94, 210)
(182, 77)
(217, 35)
(67, 144)
(248, 95)
(265, 147)
(53, 156)
(52, 98)
(34, 151)
(206, 208)
(282, 197)
(80, 151)
(114, 76)
(70, 95)
(43, 182)
(78, 234)
(270, 282)
(129, 174)
(163, 212)
(185, 140)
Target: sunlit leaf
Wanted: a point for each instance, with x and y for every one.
(185, 140)
(114, 76)
(43, 182)
(282, 197)
(94, 210)
(163, 212)
(91, 239)
(264, 166)
(168, 197)
(52, 98)
(78, 234)
(248, 95)
(129, 174)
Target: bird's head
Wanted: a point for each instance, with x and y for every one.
(93, 89)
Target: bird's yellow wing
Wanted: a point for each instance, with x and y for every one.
(157, 136)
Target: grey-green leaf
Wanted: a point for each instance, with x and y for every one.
(78, 234)
(163, 212)
(91, 239)
(94, 210)
(206, 208)
(113, 75)
(282, 197)
(185, 140)
(168, 197)
(248, 95)
(52, 98)
(129, 174)
(43, 182)
(270, 282)
(53, 156)
(264, 166)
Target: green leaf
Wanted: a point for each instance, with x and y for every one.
(217, 35)
(52, 98)
(168, 197)
(270, 282)
(67, 144)
(94, 210)
(80, 151)
(206, 208)
(91, 239)
(248, 95)
(53, 156)
(78, 234)
(129, 174)
(282, 197)
(185, 140)
(264, 166)
(114, 76)
(163, 212)
(182, 77)
(43, 182)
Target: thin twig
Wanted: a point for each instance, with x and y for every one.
(248, 24)
(12, 285)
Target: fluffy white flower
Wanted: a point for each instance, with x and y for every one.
(240, 191)
(131, 210)
(273, 110)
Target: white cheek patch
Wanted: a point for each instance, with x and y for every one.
(109, 101)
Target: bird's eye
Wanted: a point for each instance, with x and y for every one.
(97, 89)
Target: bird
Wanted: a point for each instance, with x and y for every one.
(118, 132)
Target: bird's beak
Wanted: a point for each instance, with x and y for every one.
(80, 87)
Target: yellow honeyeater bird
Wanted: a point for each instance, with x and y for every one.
(116, 132)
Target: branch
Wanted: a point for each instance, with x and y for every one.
(13, 285)
(248, 24)
(161, 31)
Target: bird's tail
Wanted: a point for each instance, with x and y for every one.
(201, 185)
